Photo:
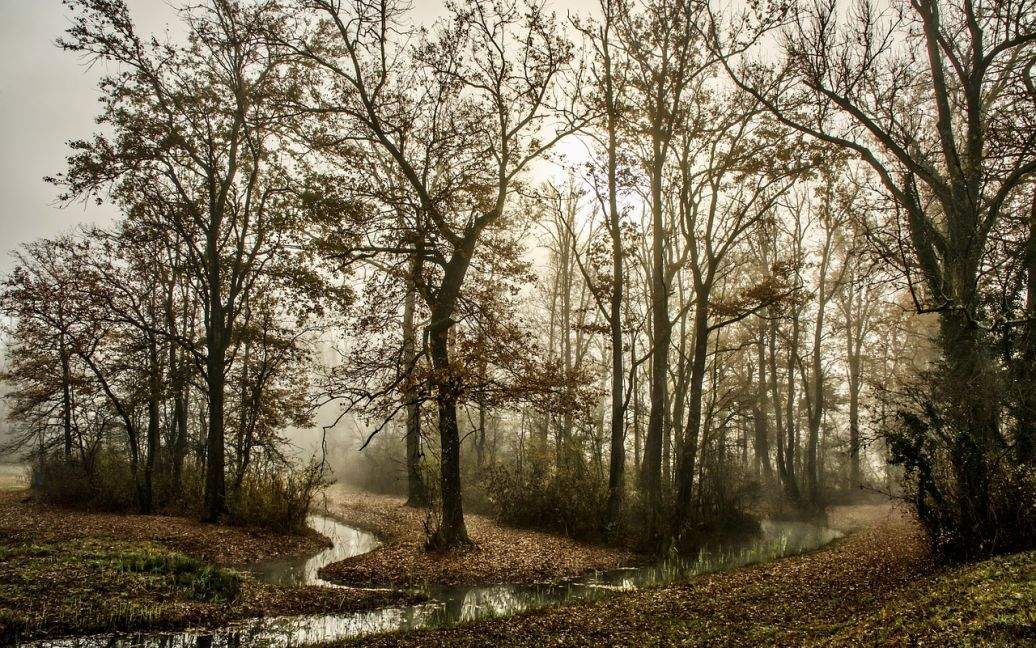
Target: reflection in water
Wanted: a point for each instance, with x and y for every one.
(347, 542)
(454, 605)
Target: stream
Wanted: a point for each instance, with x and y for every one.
(449, 605)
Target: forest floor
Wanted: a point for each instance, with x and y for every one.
(876, 586)
(68, 572)
(501, 554)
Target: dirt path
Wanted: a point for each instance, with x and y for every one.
(501, 555)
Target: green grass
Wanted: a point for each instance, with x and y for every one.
(990, 603)
(200, 581)
(87, 586)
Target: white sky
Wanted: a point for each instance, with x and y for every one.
(47, 97)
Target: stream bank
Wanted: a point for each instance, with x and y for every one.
(66, 572)
(876, 586)
(502, 554)
(365, 613)
(448, 606)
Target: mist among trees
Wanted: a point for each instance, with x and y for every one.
(638, 275)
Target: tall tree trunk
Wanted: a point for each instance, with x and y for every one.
(817, 405)
(244, 442)
(617, 447)
(66, 397)
(651, 470)
(417, 495)
(563, 449)
(480, 438)
(153, 443)
(816, 417)
(452, 531)
(854, 408)
(181, 412)
(761, 427)
(543, 427)
(617, 455)
(180, 385)
(215, 503)
(776, 405)
(689, 449)
(636, 417)
(679, 408)
(667, 446)
(791, 446)
(970, 391)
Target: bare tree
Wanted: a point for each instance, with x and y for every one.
(193, 138)
(918, 92)
(460, 117)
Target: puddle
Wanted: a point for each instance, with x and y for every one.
(448, 606)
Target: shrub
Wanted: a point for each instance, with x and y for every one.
(105, 484)
(973, 498)
(277, 498)
(570, 500)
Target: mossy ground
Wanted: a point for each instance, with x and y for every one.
(88, 585)
(992, 603)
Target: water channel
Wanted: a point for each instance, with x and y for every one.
(448, 606)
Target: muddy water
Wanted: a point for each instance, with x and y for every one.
(449, 606)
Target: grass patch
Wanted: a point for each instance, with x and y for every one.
(202, 582)
(90, 585)
(991, 603)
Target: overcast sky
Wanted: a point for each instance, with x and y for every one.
(47, 97)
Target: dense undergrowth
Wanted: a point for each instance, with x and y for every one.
(568, 495)
(274, 497)
(569, 501)
(572, 500)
